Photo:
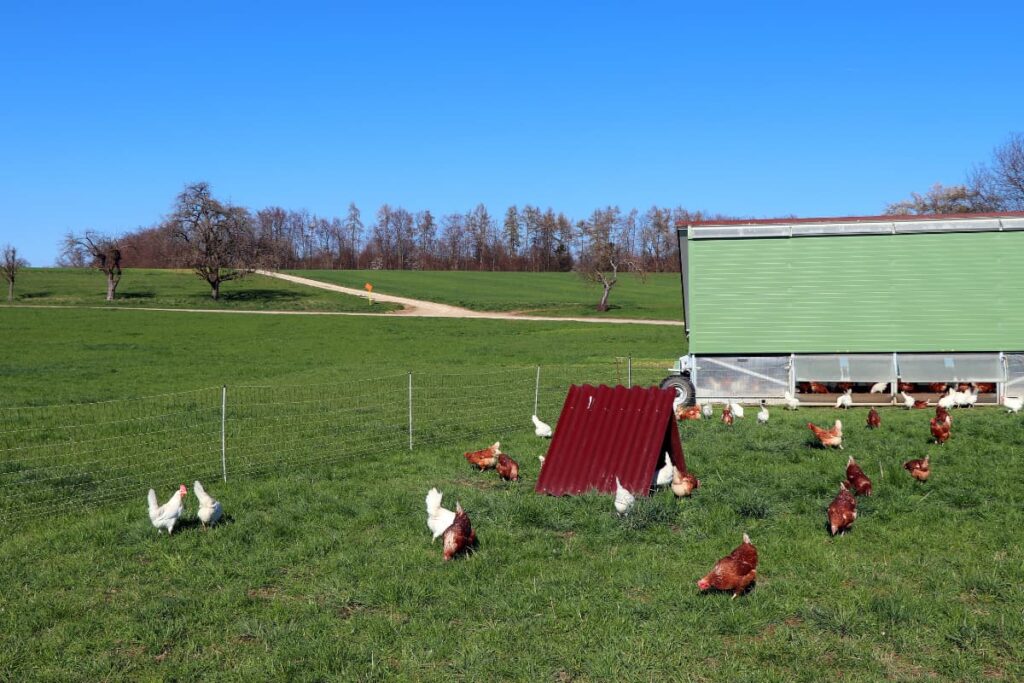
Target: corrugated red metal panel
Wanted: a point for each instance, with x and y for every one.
(605, 432)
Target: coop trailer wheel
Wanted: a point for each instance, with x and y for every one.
(683, 388)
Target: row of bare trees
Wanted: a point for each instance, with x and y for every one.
(222, 242)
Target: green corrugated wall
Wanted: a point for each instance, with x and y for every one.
(866, 293)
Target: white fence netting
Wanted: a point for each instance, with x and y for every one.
(55, 459)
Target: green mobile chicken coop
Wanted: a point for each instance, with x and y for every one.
(779, 305)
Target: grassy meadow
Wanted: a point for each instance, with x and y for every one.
(324, 568)
(657, 297)
(160, 288)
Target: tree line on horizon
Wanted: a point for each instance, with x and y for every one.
(221, 242)
(522, 239)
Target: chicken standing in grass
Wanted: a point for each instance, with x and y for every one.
(874, 419)
(734, 572)
(438, 518)
(540, 428)
(623, 498)
(829, 437)
(792, 403)
(166, 516)
(508, 469)
(857, 480)
(1013, 404)
(940, 430)
(919, 469)
(683, 483)
(663, 477)
(486, 457)
(942, 415)
(762, 414)
(210, 510)
(845, 400)
(726, 414)
(842, 511)
(737, 410)
(459, 536)
(707, 410)
(684, 413)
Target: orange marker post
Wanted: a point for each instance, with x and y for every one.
(369, 292)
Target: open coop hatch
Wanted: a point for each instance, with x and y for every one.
(603, 433)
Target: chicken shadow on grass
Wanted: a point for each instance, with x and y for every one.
(192, 524)
(708, 594)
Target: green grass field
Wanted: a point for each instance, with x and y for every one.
(155, 288)
(657, 297)
(325, 569)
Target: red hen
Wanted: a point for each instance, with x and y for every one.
(485, 458)
(734, 572)
(856, 478)
(727, 414)
(874, 419)
(919, 469)
(508, 468)
(459, 536)
(842, 511)
(829, 437)
(688, 413)
(940, 430)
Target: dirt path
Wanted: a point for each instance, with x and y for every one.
(430, 309)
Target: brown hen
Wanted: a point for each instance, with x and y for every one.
(857, 480)
(829, 437)
(919, 469)
(734, 572)
(508, 468)
(486, 457)
(842, 511)
(459, 536)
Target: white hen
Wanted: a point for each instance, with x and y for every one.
(210, 510)
(664, 476)
(438, 518)
(908, 400)
(707, 410)
(879, 387)
(949, 400)
(762, 415)
(540, 459)
(845, 399)
(623, 499)
(540, 428)
(166, 516)
(1013, 404)
(737, 410)
(792, 403)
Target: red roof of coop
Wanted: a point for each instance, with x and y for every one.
(605, 432)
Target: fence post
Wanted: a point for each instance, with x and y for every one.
(223, 431)
(536, 391)
(629, 371)
(410, 410)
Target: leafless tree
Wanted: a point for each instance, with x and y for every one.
(216, 239)
(102, 252)
(1001, 184)
(11, 265)
(941, 199)
(602, 257)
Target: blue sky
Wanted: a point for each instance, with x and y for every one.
(752, 109)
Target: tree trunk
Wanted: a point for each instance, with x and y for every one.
(215, 290)
(110, 287)
(603, 305)
(10, 291)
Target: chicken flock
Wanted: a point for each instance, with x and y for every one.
(735, 572)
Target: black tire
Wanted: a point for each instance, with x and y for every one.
(683, 387)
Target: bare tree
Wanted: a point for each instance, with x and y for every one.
(102, 252)
(11, 265)
(602, 258)
(941, 199)
(1002, 184)
(216, 239)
